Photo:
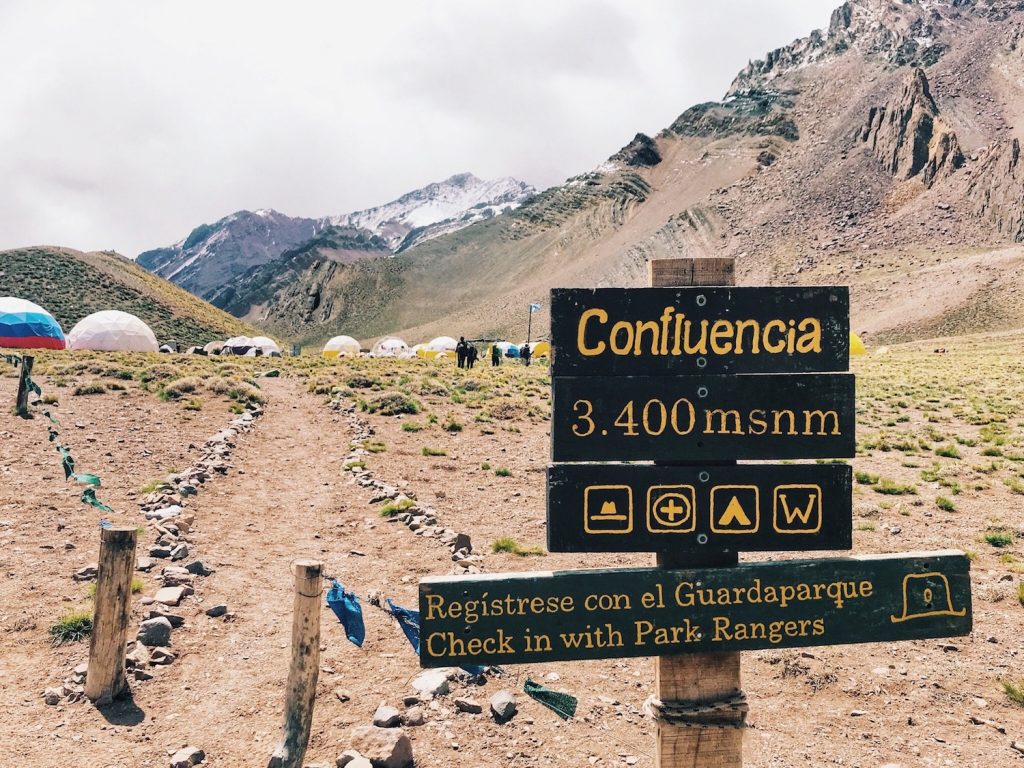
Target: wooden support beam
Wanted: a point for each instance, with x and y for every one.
(105, 679)
(709, 739)
(300, 691)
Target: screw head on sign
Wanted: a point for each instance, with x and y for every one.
(701, 362)
(702, 538)
(702, 300)
(704, 477)
(702, 392)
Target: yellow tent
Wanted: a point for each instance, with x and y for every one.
(540, 349)
(856, 345)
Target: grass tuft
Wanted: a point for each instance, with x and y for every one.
(513, 547)
(73, 627)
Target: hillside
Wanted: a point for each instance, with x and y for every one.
(71, 284)
(882, 153)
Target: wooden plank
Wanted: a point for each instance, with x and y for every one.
(706, 418)
(689, 509)
(673, 331)
(708, 270)
(105, 678)
(300, 690)
(606, 614)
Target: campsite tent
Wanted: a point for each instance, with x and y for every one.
(237, 345)
(112, 331)
(441, 344)
(391, 346)
(341, 346)
(538, 349)
(28, 326)
(508, 349)
(856, 345)
(214, 347)
(266, 345)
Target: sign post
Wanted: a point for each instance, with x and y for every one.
(693, 374)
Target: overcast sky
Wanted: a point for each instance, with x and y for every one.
(124, 124)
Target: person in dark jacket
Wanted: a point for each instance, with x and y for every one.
(461, 352)
(495, 356)
(471, 356)
(525, 353)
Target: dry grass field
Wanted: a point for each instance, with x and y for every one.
(940, 464)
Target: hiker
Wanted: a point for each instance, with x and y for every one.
(495, 356)
(461, 351)
(525, 354)
(471, 356)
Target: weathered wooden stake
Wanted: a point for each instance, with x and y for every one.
(26, 375)
(709, 737)
(305, 667)
(105, 679)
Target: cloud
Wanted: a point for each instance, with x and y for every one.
(125, 124)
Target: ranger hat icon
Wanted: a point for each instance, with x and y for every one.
(924, 595)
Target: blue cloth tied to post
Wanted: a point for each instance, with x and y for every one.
(346, 607)
(409, 621)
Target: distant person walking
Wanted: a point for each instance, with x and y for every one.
(495, 356)
(461, 351)
(525, 354)
(471, 356)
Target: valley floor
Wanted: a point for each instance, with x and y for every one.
(930, 426)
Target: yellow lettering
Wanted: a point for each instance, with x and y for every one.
(773, 346)
(722, 329)
(810, 340)
(581, 344)
(621, 349)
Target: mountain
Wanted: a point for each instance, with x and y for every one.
(210, 259)
(883, 153)
(71, 284)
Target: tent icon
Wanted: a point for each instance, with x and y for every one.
(924, 595)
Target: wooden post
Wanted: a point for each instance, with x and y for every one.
(26, 375)
(105, 679)
(710, 738)
(301, 688)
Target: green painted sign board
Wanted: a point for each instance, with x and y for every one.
(674, 331)
(682, 509)
(603, 614)
(704, 418)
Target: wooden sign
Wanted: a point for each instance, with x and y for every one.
(709, 418)
(604, 614)
(747, 507)
(672, 331)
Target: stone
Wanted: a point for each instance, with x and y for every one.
(162, 656)
(386, 717)
(170, 595)
(156, 633)
(164, 514)
(180, 552)
(175, 619)
(503, 706)
(413, 716)
(217, 610)
(352, 759)
(144, 564)
(139, 656)
(160, 551)
(462, 541)
(197, 568)
(87, 573)
(52, 696)
(383, 747)
(187, 757)
(472, 706)
(411, 701)
(343, 694)
(433, 682)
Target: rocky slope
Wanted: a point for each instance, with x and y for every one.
(882, 152)
(209, 261)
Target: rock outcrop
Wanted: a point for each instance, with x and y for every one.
(995, 189)
(907, 136)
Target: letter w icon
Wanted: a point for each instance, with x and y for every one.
(797, 509)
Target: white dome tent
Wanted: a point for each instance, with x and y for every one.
(266, 345)
(390, 346)
(237, 345)
(112, 331)
(441, 344)
(214, 347)
(341, 346)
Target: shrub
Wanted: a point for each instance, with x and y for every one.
(411, 426)
(195, 404)
(362, 382)
(513, 547)
(946, 505)
(434, 451)
(394, 508)
(73, 627)
(865, 478)
(96, 388)
(452, 426)
(1015, 691)
(503, 472)
(180, 387)
(375, 446)
(949, 451)
(891, 488)
(485, 466)
(392, 405)
(1020, 594)
(999, 539)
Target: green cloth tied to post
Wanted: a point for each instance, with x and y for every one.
(562, 704)
(89, 497)
(13, 360)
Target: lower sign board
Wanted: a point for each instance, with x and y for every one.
(712, 418)
(748, 507)
(605, 614)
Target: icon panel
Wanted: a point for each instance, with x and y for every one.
(671, 509)
(608, 509)
(797, 508)
(735, 509)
